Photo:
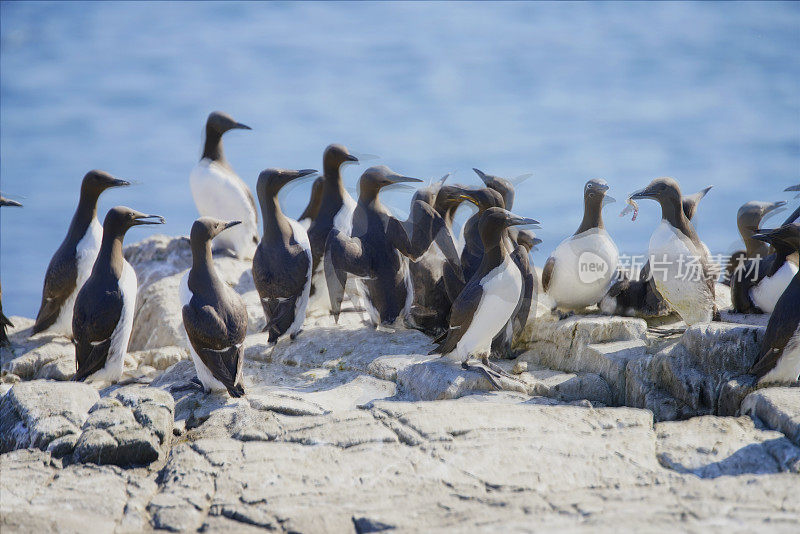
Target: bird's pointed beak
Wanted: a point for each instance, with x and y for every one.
(481, 175)
(148, 219)
(351, 157)
(774, 206)
(399, 179)
(118, 182)
(302, 173)
(704, 192)
(537, 241)
(231, 224)
(240, 126)
(515, 220)
(467, 198)
(793, 188)
(8, 202)
(765, 234)
(645, 192)
(608, 199)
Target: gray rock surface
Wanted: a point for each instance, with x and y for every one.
(703, 372)
(33, 414)
(778, 408)
(132, 426)
(481, 462)
(588, 344)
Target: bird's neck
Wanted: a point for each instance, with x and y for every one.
(202, 274)
(592, 216)
(493, 255)
(276, 225)
(84, 215)
(333, 188)
(110, 254)
(212, 149)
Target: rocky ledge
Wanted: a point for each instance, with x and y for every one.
(350, 428)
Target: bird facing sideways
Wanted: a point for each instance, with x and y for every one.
(219, 192)
(282, 265)
(214, 315)
(103, 318)
(72, 263)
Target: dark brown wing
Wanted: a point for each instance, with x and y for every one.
(461, 315)
(547, 272)
(226, 366)
(95, 317)
(780, 329)
(59, 283)
(343, 255)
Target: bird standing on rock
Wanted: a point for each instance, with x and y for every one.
(489, 299)
(214, 315)
(758, 276)
(4, 322)
(219, 192)
(335, 211)
(779, 356)
(681, 266)
(375, 250)
(72, 263)
(639, 297)
(282, 263)
(105, 305)
(581, 269)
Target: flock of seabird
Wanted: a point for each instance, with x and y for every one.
(472, 292)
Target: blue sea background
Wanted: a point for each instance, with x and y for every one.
(708, 93)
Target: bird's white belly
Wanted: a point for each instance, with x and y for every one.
(112, 370)
(85, 253)
(343, 220)
(221, 194)
(585, 265)
(787, 369)
(677, 272)
(766, 294)
(203, 373)
(301, 236)
(501, 293)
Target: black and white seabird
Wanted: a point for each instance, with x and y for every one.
(523, 242)
(472, 254)
(431, 307)
(491, 296)
(335, 211)
(219, 192)
(639, 297)
(758, 275)
(501, 185)
(104, 308)
(779, 357)
(214, 315)
(681, 266)
(4, 321)
(314, 202)
(581, 269)
(72, 263)
(282, 263)
(375, 251)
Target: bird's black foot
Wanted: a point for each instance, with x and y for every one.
(667, 332)
(193, 384)
(492, 372)
(295, 334)
(562, 315)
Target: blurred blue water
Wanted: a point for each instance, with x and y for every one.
(707, 93)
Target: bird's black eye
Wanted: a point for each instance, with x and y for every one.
(589, 186)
